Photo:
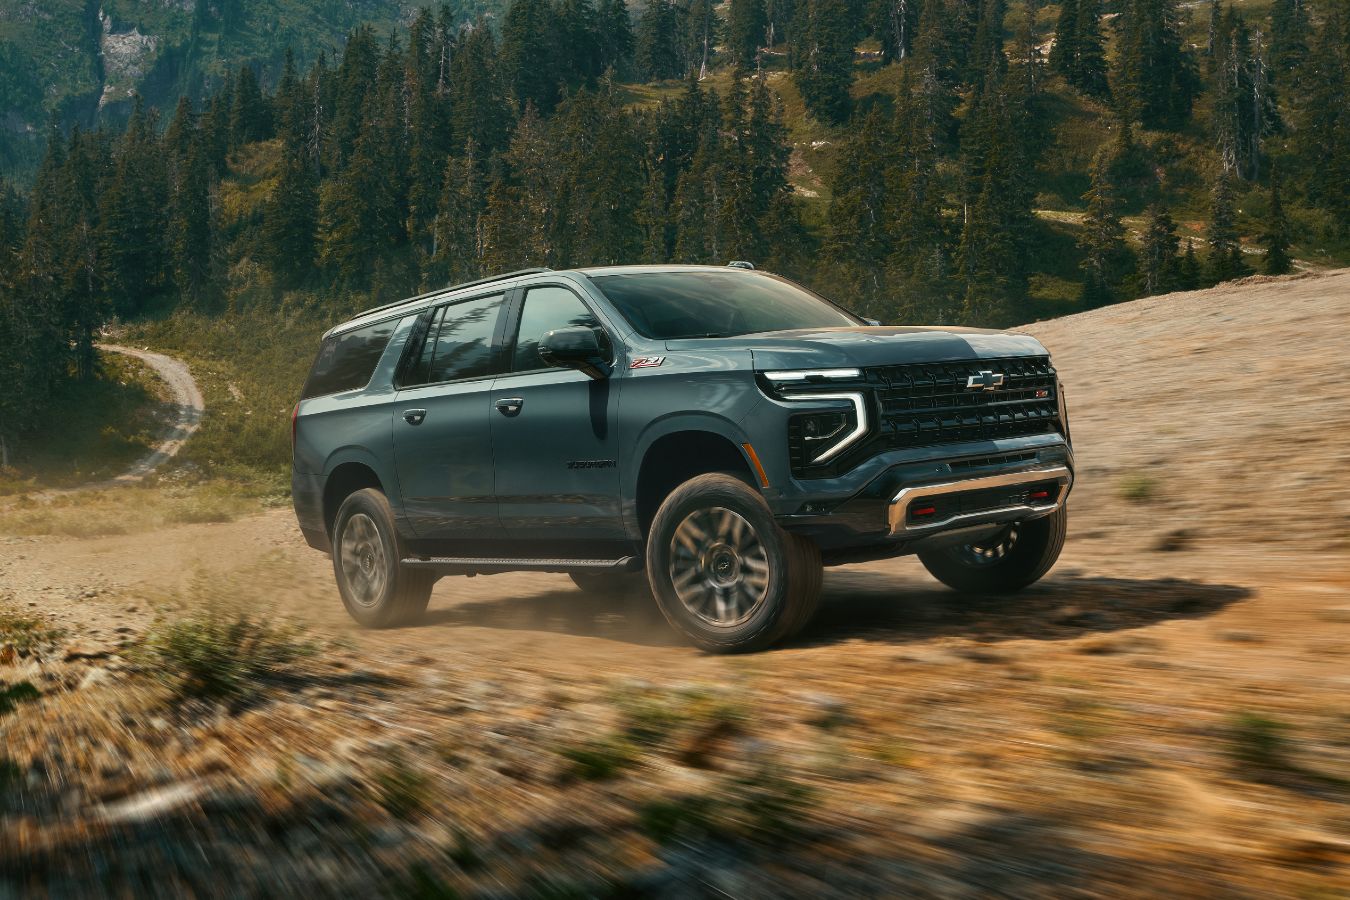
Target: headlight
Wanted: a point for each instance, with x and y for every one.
(827, 433)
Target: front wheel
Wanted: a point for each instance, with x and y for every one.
(722, 570)
(377, 591)
(1017, 556)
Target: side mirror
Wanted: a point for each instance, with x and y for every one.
(872, 322)
(575, 347)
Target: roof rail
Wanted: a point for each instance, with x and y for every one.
(740, 264)
(453, 287)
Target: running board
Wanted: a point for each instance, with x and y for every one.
(507, 564)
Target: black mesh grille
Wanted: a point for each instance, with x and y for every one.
(925, 404)
(928, 404)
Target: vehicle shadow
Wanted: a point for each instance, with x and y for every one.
(879, 607)
(875, 606)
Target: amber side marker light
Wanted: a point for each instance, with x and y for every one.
(759, 468)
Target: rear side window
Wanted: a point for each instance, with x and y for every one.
(346, 361)
(458, 342)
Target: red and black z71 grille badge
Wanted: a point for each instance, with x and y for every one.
(646, 362)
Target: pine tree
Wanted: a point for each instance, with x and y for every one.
(823, 59)
(192, 227)
(1276, 234)
(1188, 271)
(859, 238)
(133, 251)
(896, 22)
(1289, 30)
(1078, 53)
(532, 55)
(746, 26)
(250, 116)
(1159, 265)
(1321, 117)
(479, 111)
(615, 35)
(290, 219)
(657, 54)
(700, 37)
(1107, 260)
(1156, 78)
(459, 238)
(1225, 246)
(998, 220)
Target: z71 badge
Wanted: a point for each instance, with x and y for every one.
(646, 362)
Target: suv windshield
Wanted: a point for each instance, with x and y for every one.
(672, 305)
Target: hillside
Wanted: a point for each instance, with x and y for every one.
(1164, 715)
(82, 61)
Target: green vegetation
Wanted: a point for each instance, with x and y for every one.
(24, 632)
(12, 695)
(1137, 488)
(134, 508)
(1259, 742)
(215, 651)
(106, 424)
(401, 788)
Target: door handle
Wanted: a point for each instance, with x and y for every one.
(414, 416)
(509, 406)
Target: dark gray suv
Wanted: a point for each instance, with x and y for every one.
(725, 430)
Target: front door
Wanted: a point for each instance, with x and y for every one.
(553, 434)
(442, 433)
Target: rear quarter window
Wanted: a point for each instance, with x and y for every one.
(346, 361)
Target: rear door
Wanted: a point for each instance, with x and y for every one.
(442, 434)
(553, 432)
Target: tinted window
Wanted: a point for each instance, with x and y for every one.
(459, 342)
(346, 361)
(546, 308)
(669, 305)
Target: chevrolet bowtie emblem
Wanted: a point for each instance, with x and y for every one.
(985, 381)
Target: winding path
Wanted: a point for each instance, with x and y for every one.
(188, 407)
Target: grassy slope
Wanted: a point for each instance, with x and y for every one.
(104, 426)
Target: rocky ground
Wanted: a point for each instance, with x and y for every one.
(1164, 715)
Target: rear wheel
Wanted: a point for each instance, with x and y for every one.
(1008, 561)
(377, 591)
(722, 570)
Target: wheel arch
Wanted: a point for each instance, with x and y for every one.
(350, 470)
(673, 454)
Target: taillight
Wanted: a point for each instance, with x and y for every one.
(295, 418)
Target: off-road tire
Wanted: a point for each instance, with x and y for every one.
(969, 568)
(791, 566)
(393, 595)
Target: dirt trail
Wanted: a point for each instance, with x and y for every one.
(1077, 736)
(187, 410)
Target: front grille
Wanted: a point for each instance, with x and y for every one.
(929, 403)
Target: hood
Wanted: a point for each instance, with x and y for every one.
(862, 345)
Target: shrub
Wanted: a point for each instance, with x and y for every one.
(402, 789)
(1137, 488)
(225, 655)
(1258, 742)
(599, 759)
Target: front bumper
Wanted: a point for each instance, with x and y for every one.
(856, 513)
(923, 509)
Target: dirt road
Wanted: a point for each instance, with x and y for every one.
(186, 413)
(1164, 715)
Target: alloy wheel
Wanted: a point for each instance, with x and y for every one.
(364, 564)
(719, 568)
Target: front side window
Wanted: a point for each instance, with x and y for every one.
(346, 361)
(672, 305)
(458, 342)
(546, 308)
